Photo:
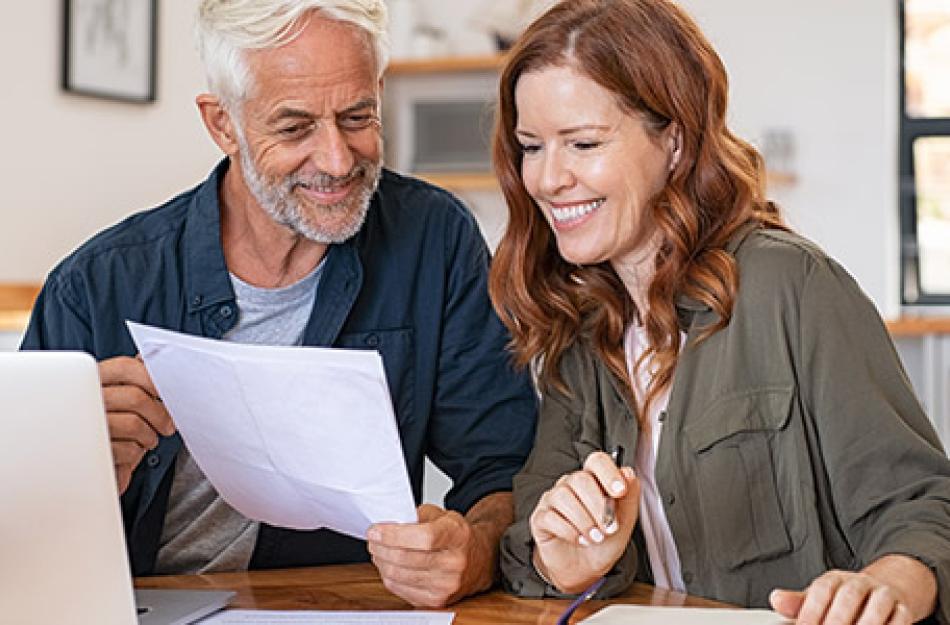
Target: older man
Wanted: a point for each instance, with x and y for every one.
(299, 237)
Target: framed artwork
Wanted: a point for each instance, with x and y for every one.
(109, 48)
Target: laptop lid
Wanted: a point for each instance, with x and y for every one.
(61, 537)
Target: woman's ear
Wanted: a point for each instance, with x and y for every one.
(676, 145)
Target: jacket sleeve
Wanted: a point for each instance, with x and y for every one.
(889, 476)
(558, 450)
(58, 320)
(484, 410)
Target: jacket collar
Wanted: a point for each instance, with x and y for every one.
(206, 273)
(687, 308)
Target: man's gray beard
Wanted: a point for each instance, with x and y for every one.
(279, 202)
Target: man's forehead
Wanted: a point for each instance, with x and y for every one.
(322, 46)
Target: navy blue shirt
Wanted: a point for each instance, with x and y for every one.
(411, 284)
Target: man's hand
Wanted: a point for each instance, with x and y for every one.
(444, 556)
(135, 415)
(894, 590)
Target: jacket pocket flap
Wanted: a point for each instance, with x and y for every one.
(757, 410)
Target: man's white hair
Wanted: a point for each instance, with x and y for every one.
(226, 29)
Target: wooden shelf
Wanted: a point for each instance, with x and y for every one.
(904, 327)
(780, 179)
(16, 301)
(445, 65)
(461, 181)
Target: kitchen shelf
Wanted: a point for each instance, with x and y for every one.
(904, 327)
(16, 301)
(446, 65)
(461, 181)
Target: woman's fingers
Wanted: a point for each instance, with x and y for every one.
(608, 475)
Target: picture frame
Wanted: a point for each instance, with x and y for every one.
(109, 48)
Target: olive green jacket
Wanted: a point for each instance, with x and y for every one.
(792, 442)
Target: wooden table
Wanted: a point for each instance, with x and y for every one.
(358, 587)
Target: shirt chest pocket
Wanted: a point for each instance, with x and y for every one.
(396, 348)
(739, 495)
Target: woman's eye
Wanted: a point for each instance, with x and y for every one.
(530, 148)
(587, 145)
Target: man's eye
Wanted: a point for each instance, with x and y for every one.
(294, 131)
(358, 122)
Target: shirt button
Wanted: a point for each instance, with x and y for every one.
(662, 416)
(196, 300)
(687, 577)
(226, 311)
(372, 340)
(153, 460)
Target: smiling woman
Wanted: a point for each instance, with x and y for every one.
(780, 456)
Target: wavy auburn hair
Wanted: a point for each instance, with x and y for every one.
(652, 56)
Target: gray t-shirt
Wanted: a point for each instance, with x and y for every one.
(202, 533)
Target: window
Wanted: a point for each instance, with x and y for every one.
(925, 151)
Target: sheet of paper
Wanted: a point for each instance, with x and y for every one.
(309, 617)
(296, 437)
(645, 615)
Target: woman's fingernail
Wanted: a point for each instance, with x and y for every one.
(583, 541)
(617, 487)
(596, 535)
(612, 528)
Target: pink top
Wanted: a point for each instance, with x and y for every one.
(664, 559)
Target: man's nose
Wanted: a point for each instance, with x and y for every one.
(332, 153)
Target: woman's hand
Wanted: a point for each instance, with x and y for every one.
(894, 590)
(576, 541)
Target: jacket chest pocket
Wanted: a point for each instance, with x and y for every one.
(396, 349)
(738, 490)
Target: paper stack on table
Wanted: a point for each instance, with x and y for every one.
(296, 437)
(645, 615)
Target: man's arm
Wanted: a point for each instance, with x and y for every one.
(444, 556)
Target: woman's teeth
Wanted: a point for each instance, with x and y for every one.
(570, 213)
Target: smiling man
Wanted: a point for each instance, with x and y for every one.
(300, 237)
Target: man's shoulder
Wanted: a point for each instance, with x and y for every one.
(401, 193)
(139, 234)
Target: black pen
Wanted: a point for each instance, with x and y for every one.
(610, 511)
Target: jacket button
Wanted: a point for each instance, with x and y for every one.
(687, 577)
(372, 340)
(226, 311)
(671, 499)
(153, 460)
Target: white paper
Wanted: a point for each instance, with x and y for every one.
(645, 615)
(311, 617)
(296, 437)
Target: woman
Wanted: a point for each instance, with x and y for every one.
(775, 452)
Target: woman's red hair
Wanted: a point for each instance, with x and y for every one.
(653, 57)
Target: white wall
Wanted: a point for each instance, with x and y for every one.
(72, 165)
(828, 72)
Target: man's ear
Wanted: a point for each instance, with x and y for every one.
(219, 123)
(676, 145)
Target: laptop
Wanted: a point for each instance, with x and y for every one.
(61, 538)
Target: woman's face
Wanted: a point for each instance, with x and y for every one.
(591, 167)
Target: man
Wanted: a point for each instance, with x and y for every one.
(299, 237)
